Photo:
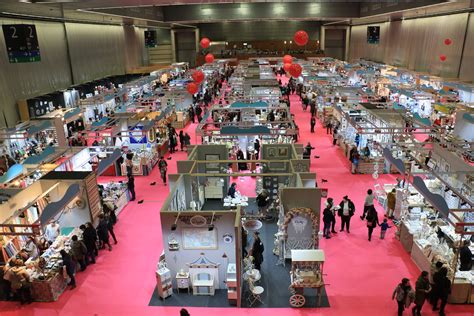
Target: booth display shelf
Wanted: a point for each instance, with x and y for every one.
(50, 289)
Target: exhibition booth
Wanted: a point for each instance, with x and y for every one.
(435, 208)
(207, 232)
(69, 198)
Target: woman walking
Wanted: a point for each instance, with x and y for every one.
(401, 294)
(372, 220)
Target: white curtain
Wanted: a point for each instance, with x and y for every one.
(97, 51)
(467, 64)
(26, 80)
(415, 44)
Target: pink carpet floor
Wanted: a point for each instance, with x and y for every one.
(361, 275)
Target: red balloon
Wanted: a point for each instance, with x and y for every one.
(209, 58)
(192, 88)
(295, 70)
(447, 41)
(301, 38)
(205, 42)
(198, 76)
(287, 59)
(442, 57)
(287, 66)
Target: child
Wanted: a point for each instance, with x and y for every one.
(384, 226)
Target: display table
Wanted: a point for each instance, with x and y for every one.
(119, 202)
(419, 258)
(48, 290)
(406, 238)
(182, 281)
(460, 292)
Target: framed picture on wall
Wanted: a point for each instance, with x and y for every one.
(212, 167)
(199, 238)
(283, 152)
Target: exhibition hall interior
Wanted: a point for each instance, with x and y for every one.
(251, 157)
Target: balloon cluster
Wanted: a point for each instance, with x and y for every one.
(205, 43)
(293, 69)
(447, 42)
(198, 77)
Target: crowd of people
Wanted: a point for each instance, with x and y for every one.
(82, 251)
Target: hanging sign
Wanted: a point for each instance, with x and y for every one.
(21, 42)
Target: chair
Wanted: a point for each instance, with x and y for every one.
(203, 284)
(255, 293)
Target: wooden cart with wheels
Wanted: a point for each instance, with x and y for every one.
(306, 272)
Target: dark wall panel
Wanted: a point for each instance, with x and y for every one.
(258, 30)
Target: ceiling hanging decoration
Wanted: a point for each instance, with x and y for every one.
(205, 42)
(295, 70)
(209, 58)
(301, 38)
(198, 76)
(192, 88)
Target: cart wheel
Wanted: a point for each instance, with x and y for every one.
(292, 290)
(297, 300)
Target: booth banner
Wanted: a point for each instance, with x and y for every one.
(397, 163)
(436, 200)
(53, 208)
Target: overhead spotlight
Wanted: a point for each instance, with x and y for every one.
(463, 203)
(446, 190)
(211, 226)
(453, 195)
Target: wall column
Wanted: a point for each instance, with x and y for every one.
(173, 45)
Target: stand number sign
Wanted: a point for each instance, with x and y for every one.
(21, 41)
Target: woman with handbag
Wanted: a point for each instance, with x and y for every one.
(403, 293)
(372, 220)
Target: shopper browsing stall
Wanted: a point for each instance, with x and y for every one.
(257, 250)
(421, 292)
(52, 231)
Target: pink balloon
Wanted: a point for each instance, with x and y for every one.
(198, 76)
(192, 88)
(209, 58)
(447, 41)
(287, 59)
(442, 57)
(301, 38)
(295, 70)
(205, 42)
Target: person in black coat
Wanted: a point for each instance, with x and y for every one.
(103, 232)
(131, 187)
(257, 250)
(312, 123)
(191, 114)
(89, 237)
(307, 151)
(465, 257)
(111, 219)
(256, 146)
(345, 212)
(232, 190)
(441, 289)
(327, 220)
(372, 220)
(70, 267)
